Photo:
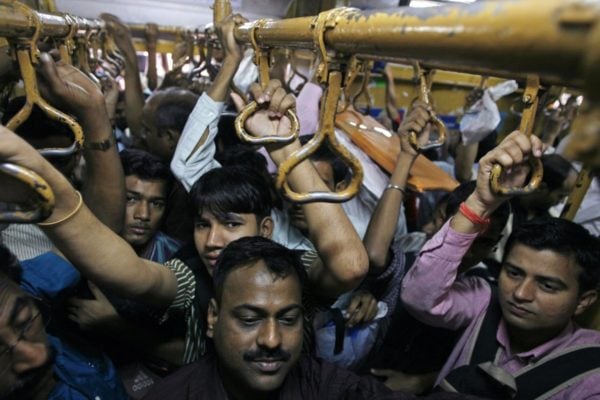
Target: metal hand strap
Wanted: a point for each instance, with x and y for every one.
(66, 45)
(364, 86)
(93, 40)
(530, 100)
(295, 72)
(326, 132)
(109, 53)
(321, 23)
(424, 86)
(353, 67)
(82, 51)
(262, 62)
(24, 50)
(39, 207)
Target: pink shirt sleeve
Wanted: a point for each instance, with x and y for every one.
(431, 291)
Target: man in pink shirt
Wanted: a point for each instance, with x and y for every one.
(519, 340)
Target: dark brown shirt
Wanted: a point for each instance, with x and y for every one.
(310, 379)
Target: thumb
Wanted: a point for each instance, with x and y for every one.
(382, 372)
(238, 102)
(96, 291)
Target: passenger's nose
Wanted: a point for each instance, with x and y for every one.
(142, 211)
(269, 335)
(525, 291)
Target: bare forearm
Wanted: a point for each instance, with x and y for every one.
(465, 157)
(104, 184)
(219, 90)
(152, 74)
(134, 98)
(343, 255)
(100, 254)
(382, 225)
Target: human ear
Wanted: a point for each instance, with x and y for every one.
(265, 228)
(212, 318)
(586, 300)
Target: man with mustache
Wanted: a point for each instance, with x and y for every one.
(256, 322)
(519, 339)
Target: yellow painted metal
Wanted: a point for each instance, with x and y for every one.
(530, 101)
(262, 61)
(511, 39)
(326, 132)
(37, 207)
(19, 22)
(425, 80)
(26, 53)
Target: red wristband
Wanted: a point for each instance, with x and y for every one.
(473, 217)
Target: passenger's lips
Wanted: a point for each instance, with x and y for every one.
(268, 366)
(139, 230)
(211, 258)
(518, 310)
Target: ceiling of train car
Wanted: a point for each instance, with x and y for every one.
(193, 13)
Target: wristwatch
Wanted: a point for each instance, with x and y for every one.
(102, 146)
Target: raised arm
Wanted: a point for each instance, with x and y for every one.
(134, 94)
(98, 253)
(104, 185)
(194, 155)
(343, 259)
(430, 289)
(382, 226)
(151, 34)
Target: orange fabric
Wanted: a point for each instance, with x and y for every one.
(367, 133)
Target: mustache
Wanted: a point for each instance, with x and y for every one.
(277, 354)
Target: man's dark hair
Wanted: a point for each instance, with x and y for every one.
(341, 172)
(563, 237)
(175, 107)
(280, 261)
(463, 191)
(145, 166)
(236, 189)
(9, 265)
(556, 170)
(245, 155)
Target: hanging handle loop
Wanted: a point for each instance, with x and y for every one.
(425, 80)
(326, 131)
(38, 207)
(27, 55)
(262, 62)
(530, 100)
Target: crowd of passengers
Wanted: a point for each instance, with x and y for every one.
(171, 267)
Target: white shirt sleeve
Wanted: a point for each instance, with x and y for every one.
(188, 165)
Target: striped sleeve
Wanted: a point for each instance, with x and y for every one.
(186, 285)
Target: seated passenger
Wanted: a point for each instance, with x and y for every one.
(37, 365)
(519, 334)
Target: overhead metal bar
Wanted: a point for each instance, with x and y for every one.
(552, 39)
(15, 23)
